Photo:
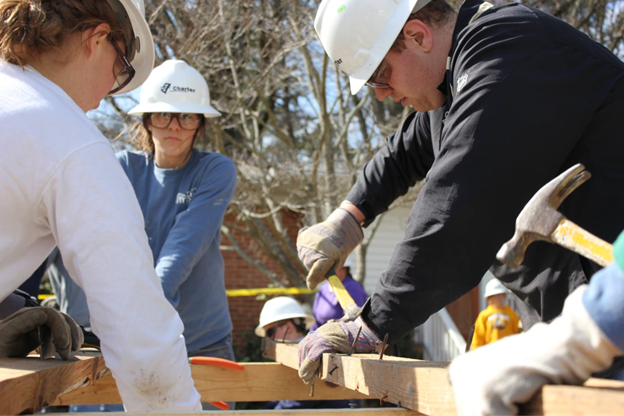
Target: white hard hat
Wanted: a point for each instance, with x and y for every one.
(279, 309)
(494, 287)
(143, 58)
(357, 34)
(175, 87)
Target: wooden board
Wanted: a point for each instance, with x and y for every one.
(258, 382)
(423, 385)
(29, 384)
(304, 412)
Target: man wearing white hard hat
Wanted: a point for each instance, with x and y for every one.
(61, 185)
(283, 319)
(506, 98)
(183, 194)
(498, 320)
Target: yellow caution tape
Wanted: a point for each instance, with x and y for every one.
(254, 292)
(270, 291)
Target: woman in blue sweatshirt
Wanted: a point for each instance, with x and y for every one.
(183, 194)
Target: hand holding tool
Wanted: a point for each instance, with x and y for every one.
(540, 220)
(218, 362)
(327, 245)
(20, 333)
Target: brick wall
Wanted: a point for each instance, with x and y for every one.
(245, 310)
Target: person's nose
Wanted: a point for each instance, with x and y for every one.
(175, 124)
(383, 93)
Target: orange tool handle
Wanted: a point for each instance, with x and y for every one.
(219, 362)
(220, 405)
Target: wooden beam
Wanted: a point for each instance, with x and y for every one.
(385, 411)
(258, 382)
(423, 385)
(29, 384)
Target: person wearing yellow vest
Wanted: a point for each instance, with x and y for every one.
(497, 320)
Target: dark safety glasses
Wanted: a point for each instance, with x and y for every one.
(270, 333)
(376, 80)
(187, 121)
(122, 69)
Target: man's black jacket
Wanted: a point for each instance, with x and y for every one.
(529, 96)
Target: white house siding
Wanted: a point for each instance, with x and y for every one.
(388, 234)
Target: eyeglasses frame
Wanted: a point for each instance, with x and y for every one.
(177, 117)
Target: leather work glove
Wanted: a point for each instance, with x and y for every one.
(328, 244)
(20, 333)
(333, 336)
(493, 379)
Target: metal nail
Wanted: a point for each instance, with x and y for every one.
(383, 347)
(332, 370)
(355, 340)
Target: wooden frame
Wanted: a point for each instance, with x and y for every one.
(28, 384)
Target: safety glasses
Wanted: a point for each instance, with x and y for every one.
(187, 121)
(270, 333)
(379, 76)
(122, 69)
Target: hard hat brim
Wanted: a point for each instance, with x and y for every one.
(143, 61)
(162, 107)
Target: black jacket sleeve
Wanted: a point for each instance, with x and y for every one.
(403, 161)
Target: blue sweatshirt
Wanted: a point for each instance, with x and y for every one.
(603, 297)
(183, 210)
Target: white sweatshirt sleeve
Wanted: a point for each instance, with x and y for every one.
(98, 226)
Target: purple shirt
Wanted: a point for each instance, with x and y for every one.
(326, 304)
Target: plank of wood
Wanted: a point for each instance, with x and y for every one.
(423, 385)
(29, 384)
(385, 411)
(258, 382)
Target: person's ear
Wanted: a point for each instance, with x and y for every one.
(95, 38)
(418, 34)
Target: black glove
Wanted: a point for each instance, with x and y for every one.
(20, 333)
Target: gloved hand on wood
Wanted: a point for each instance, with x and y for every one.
(328, 244)
(29, 328)
(493, 379)
(333, 336)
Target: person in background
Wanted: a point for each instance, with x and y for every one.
(585, 339)
(326, 304)
(497, 320)
(283, 319)
(61, 185)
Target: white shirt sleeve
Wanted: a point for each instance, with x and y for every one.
(98, 226)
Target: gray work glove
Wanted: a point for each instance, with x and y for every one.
(327, 244)
(333, 336)
(20, 333)
(493, 379)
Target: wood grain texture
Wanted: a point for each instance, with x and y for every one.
(423, 385)
(29, 384)
(258, 382)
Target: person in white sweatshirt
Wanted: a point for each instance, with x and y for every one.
(61, 185)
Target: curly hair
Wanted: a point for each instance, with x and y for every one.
(143, 135)
(436, 13)
(32, 27)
